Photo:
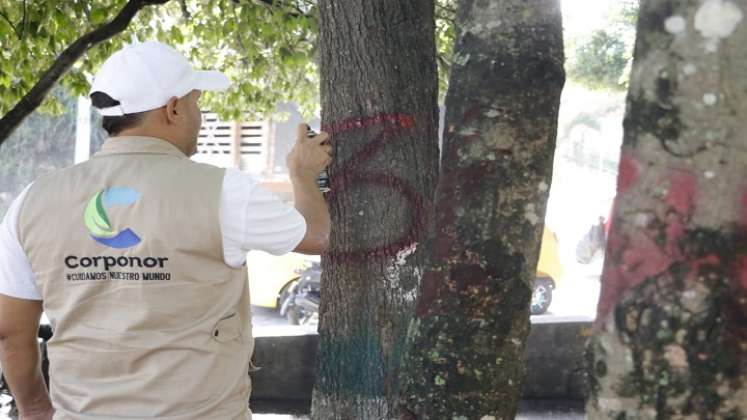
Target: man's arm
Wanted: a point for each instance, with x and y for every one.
(19, 356)
(309, 156)
(310, 203)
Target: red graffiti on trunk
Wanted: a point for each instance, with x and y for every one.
(395, 120)
(629, 171)
(681, 192)
(641, 253)
(349, 174)
(429, 291)
(741, 271)
(638, 258)
(446, 244)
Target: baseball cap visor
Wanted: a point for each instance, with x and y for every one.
(211, 80)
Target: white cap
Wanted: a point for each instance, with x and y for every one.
(144, 76)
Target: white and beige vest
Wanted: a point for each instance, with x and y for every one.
(149, 322)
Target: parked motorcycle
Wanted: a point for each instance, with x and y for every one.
(300, 306)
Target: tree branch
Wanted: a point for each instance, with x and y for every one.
(65, 61)
(185, 12)
(446, 9)
(270, 4)
(240, 41)
(4, 16)
(24, 26)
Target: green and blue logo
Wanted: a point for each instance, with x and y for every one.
(97, 219)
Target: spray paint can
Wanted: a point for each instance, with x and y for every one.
(322, 181)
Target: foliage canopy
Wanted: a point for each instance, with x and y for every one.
(602, 58)
(266, 47)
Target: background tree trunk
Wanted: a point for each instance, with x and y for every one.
(671, 331)
(379, 100)
(466, 350)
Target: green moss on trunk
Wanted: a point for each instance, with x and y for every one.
(466, 346)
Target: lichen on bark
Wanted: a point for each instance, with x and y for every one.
(466, 345)
(671, 334)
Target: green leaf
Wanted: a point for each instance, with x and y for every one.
(267, 52)
(98, 16)
(176, 35)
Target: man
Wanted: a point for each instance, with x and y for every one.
(137, 257)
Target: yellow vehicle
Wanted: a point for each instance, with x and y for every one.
(549, 273)
(270, 277)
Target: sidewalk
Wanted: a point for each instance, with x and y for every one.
(529, 410)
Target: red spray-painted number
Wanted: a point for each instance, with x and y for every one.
(350, 174)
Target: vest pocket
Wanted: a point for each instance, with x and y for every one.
(227, 329)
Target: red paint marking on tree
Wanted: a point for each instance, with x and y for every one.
(473, 176)
(445, 245)
(417, 224)
(429, 290)
(741, 265)
(682, 191)
(629, 171)
(696, 265)
(472, 113)
(404, 121)
(349, 174)
(644, 259)
(741, 271)
(634, 256)
(675, 229)
(630, 261)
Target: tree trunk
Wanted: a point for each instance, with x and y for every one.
(379, 101)
(671, 331)
(466, 348)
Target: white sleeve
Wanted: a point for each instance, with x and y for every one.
(253, 218)
(16, 278)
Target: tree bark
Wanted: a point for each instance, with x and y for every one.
(379, 101)
(671, 333)
(65, 61)
(466, 348)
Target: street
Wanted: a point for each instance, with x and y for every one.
(574, 299)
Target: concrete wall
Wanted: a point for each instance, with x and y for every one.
(554, 358)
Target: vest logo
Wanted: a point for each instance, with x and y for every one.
(97, 219)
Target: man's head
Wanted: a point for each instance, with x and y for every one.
(149, 89)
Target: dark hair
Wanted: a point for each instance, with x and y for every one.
(116, 124)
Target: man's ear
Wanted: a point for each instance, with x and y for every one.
(170, 108)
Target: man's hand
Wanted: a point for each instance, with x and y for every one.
(19, 356)
(310, 155)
